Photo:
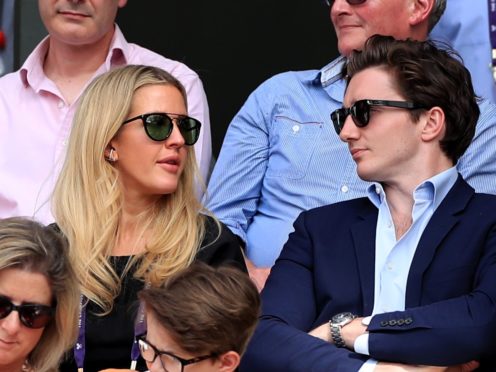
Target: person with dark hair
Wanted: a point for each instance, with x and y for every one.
(201, 317)
(405, 276)
(39, 297)
(280, 154)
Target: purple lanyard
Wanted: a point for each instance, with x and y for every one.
(492, 33)
(80, 347)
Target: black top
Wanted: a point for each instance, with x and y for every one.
(109, 338)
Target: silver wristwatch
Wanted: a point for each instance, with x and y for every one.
(337, 322)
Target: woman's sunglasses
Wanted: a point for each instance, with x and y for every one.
(31, 315)
(351, 2)
(159, 125)
(360, 112)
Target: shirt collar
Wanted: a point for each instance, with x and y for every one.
(32, 73)
(434, 189)
(329, 78)
(331, 73)
(120, 50)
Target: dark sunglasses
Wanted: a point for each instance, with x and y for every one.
(360, 112)
(351, 2)
(31, 315)
(159, 125)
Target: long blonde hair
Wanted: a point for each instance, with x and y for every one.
(27, 245)
(87, 200)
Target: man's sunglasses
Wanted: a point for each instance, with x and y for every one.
(351, 2)
(31, 315)
(159, 125)
(360, 112)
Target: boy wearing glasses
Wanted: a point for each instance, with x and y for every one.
(199, 320)
(281, 156)
(406, 274)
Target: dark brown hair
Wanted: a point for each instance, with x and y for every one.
(206, 309)
(428, 74)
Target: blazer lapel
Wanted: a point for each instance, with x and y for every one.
(363, 235)
(442, 221)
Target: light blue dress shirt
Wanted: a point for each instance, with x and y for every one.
(393, 257)
(465, 25)
(281, 156)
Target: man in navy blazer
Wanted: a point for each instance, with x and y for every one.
(404, 279)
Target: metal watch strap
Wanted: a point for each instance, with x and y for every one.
(336, 335)
(337, 322)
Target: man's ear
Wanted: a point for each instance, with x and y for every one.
(420, 11)
(229, 361)
(435, 125)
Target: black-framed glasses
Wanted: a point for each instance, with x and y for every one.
(360, 111)
(31, 315)
(351, 2)
(159, 125)
(169, 361)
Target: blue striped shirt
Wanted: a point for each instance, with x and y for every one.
(281, 156)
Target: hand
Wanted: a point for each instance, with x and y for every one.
(465, 367)
(257, 274)
(351, 331)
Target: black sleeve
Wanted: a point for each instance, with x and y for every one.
(220, 249)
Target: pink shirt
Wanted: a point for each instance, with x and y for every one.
(35, 123)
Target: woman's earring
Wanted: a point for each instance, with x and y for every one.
(111, 156)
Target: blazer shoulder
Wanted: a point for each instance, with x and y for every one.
(483, 202)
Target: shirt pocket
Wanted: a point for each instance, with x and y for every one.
(291, 146)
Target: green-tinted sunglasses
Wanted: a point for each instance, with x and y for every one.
(159, 125)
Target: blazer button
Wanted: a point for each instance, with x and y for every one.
(384, 323)
(408, 321)
(401, 322)
(392, 322)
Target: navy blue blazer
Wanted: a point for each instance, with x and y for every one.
(327, 267)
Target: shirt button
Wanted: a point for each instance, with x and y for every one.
(390, 224)
(390, 266)
(377, 190)
(296, 128)
(345, 189)
(61, 104)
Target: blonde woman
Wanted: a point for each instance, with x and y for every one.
(39, 297)
(126, 202)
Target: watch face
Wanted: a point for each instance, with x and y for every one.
(342, 317)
